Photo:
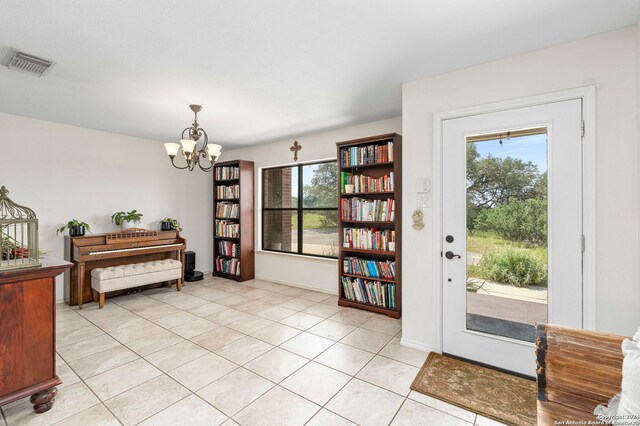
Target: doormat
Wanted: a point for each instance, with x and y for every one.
(500, 396)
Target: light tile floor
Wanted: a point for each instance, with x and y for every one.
(221, 352)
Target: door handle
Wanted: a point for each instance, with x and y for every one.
(450, 255)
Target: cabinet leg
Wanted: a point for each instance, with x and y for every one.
(43, 401)
(101, 300)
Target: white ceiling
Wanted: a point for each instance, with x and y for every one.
(263, 70)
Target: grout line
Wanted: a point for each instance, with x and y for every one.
(215, 288)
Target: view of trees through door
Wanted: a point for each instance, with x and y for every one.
(507, 261)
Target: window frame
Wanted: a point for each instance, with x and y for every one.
(299, 210)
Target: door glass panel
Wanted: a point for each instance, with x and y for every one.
(507, 233)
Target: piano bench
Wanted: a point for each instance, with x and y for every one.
(121, 277)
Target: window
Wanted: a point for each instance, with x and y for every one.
(300, 209)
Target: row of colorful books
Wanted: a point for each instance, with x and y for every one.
(369, 268)
(228, 266)
(369, 238)
(361, 209)
(225, 228)
(370, 292)
(223, 173)
(228, 248)
(369, 154)
(363, 183)
(231, 191)
(230, 210)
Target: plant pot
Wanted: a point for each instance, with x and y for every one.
(166, 226)
(76, 231)
(129, 225)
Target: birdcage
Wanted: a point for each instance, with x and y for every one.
(18, 235)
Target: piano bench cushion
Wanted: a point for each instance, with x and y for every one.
(104, 280)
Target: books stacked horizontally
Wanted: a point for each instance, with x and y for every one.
(370, 154)
(229, 266)
(363, 183)
(369, 238)
(371, 292)
(232, 191)
(363, 210)
(228, 248)
(369, 268)
(228, 210)
(227, 173)
(227, 229)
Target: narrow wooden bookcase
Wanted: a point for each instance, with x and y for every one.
(233, 196)
(374, 166)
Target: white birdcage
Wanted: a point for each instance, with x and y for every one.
(18, 235)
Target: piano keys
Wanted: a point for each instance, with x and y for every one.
(89, 252)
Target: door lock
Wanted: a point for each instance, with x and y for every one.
(450, 255)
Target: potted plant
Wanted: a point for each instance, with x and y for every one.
(76, 228)
(167, 224)
(126, 219)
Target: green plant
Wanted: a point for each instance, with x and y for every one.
(120, 217)
(522, 221)
(515, 266)
(174, 223)
(73, 223)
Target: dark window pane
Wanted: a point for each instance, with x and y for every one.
(320, 185)
(320, 232)
(280, 187)
(280, 230)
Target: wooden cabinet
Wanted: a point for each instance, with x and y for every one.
(233, 238)
(370, 224)
(28, 334)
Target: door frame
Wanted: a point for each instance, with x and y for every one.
(588, 96)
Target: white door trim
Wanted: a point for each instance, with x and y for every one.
(588, 96)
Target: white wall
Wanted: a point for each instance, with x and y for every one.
(64, 172)
(304, 271)
(609, 62)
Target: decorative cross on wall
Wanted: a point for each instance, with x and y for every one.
(295, 148)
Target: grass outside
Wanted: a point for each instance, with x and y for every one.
(485, 242)
(314, 220)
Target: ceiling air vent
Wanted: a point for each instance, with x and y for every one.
(28, 63)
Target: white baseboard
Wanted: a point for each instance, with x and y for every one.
(416, 345)
(271, 280)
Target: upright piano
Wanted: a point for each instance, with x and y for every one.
(95, 251)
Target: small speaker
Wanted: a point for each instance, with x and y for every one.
(190, 273)
(189, 260)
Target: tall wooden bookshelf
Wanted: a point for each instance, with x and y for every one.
(369, 268)
(233, 255)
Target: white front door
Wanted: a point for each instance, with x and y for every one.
(507, 176)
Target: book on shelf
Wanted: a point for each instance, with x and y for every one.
(231, 191)
(226, 173)
(227, 210)
(363, 183)
(229, 248)
(365, 210)
(365, 155)
(370, 292)
(224, 228)
(228, 266)
(369, 238)
(369, 268)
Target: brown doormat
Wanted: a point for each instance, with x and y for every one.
(500, 396)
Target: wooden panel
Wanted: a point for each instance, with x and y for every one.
(11, 337)
(39, 321)
(577, 370)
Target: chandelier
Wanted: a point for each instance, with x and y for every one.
(192, 155)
